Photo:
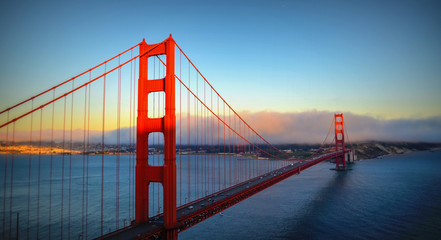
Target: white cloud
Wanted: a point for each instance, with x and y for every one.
(313, 126)
(276, 127)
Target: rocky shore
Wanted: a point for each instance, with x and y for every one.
(368, 150)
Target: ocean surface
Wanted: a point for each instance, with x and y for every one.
(395, 197)
(61, 194)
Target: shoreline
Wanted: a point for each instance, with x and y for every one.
(363, 151)
(375, 150)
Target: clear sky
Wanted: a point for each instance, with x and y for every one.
(380, 59)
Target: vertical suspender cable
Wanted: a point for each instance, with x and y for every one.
(252, 154)
(102, 151)
(225, 164)
(153, 111)
(135, 104)
(87, 157)
(118, 143)
(251, 162)
(70, 160)
(250, 171)
(62, 169)
(212, 144)
(180, 130)
(39, 174)
(231, 148)
(189, 140)
(130, 136)
(11, 183)
(29, 173)
(84, 160)
(204, 166)
(219, 148)
(197, 138)
(205, 145)
(51, 162)
(235, 167)
(4, 182)
(157, 113)
(239, 143)
(153, 135)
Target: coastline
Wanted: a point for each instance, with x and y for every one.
(371, 150)
(363, 150)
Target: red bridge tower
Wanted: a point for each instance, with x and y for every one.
(340, 160)
(145, 173)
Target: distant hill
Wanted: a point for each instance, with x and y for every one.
(368, 150)
(364, 150)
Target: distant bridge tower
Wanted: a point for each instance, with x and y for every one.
(340, 161)
(145, 173)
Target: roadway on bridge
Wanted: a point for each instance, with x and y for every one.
(203, 208)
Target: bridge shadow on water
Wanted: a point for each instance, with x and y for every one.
(310, 222)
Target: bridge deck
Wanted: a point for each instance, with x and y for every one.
(197, 211)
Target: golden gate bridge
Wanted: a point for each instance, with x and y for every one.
(139, 146)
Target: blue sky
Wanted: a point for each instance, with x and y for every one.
(376, 58)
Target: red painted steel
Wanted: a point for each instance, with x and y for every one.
(340, 160)
(166, 174)
(169, 182)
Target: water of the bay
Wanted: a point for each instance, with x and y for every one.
(395, 197)
(40, 200)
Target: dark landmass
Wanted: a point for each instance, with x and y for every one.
(370, 150)
(363, 150)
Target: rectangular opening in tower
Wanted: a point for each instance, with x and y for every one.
(156, 203)
(156, 105)
(156, 67)
(156, 149)
(339, 136)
